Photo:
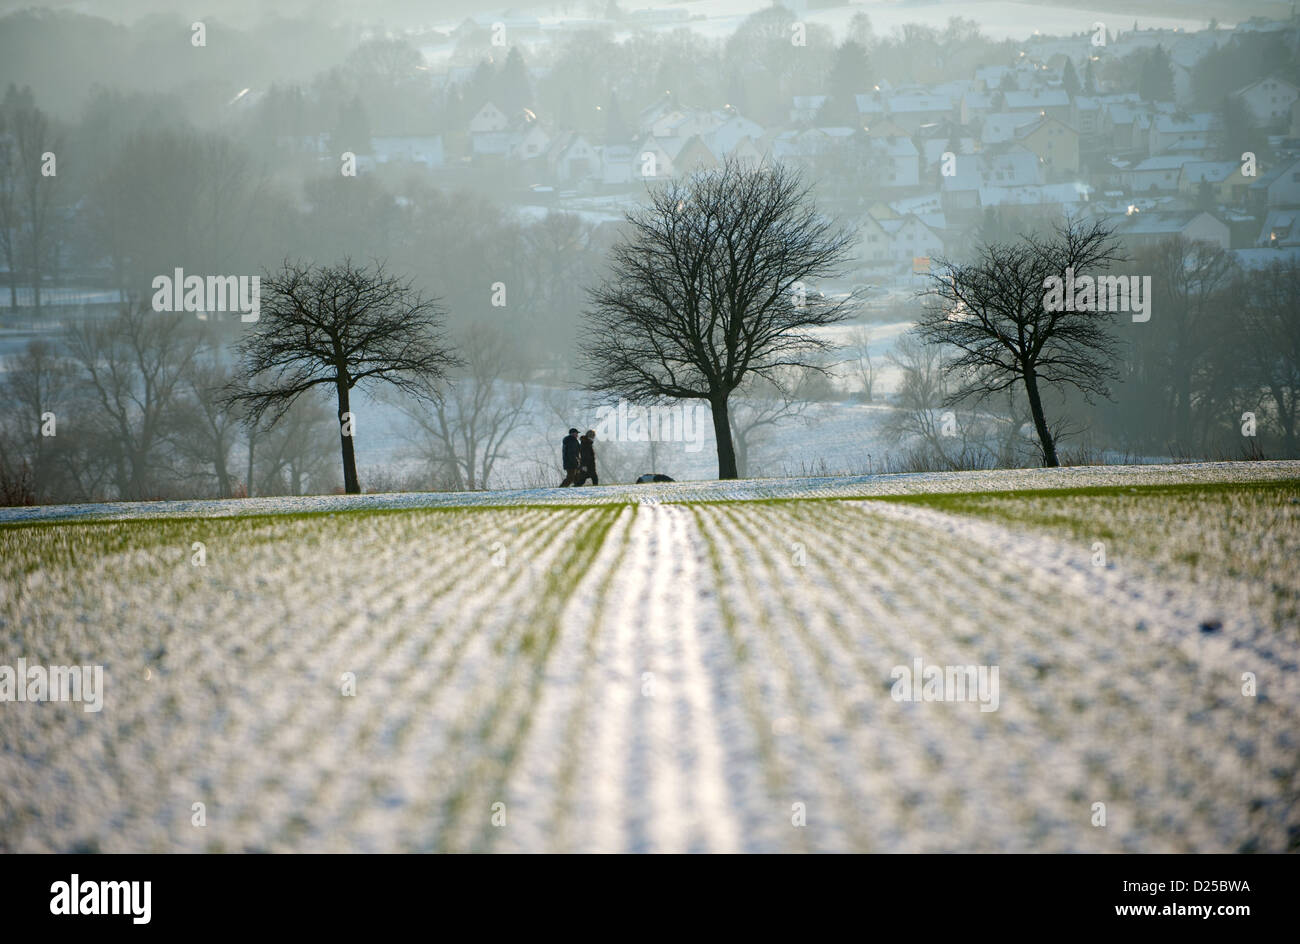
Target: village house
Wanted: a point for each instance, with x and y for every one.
(1055, 143)
(571, 158)
(911, 110)
(1224, 179)
(1269, 100)
(898, 160)
(1158, 173)
(1154, 226)
(1281, 230)
(1279, 188)
(489, 131)
(1167, 132)
(1051, 103)
(724, 139)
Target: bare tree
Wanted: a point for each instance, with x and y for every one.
(938, 438)
(206, 427)
(36, 383)
(1272, 342)
(293, 456)
(10, 207)
(338, 326)
(860, 363)
(135, 364)
(32, 183)
(922, 390)
(1190, 282)
(464, 433)
(993, 312)
(711, 286)
(759, 407)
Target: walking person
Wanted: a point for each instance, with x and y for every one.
(587, 457)
(570, 458)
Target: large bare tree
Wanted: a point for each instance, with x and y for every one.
(712, 284)
(136, 364)
(1192, 283)
(992, 310)
(338, 326)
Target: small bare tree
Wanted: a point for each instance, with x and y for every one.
(713, 285)
(993, 312)
(464, 434)
(206, 429)
(760, 407)
(338, 326)
(860, 364)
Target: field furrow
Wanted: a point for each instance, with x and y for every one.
(665, 676)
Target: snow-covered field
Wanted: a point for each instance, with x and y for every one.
(702, 666)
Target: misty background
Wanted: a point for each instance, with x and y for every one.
(496, 153)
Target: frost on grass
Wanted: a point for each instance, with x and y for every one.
(673, 676)
(844, 486)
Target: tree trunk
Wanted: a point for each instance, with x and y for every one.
(1040, 421)
(252, 443)
(223, 477)
(1183, 420)
(36, 281)
(350, 483)
(722, 430)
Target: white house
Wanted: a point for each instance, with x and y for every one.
(723, 139)
(572, 158)
(896, 243)
(911, 240)
(933, 149)
(910, 110)
(489, 131)
(1069, 196)
(1283, 187)
(530, 142)
(618, 165)
(960, 191)
(1153, 226)
(1015, 167)
(1168, 131)
(899, 160)
(1270, 99)
(1040, 102)
(1158, 173)
(1002, 126)
(487, 119)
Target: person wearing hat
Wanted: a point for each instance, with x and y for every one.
(587, 455)
(570, 457)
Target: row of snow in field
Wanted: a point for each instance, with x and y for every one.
(653, 677)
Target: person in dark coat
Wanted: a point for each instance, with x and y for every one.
(587, 455)
(571, 458)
